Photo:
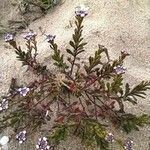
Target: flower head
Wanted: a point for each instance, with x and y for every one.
(42, 144)
(3, 104)
(29, 35)
(50, 38)
(128, 145)
(109, 137)
(9, 37)
(23, 91)
(81, 11)
(21, 136)
(120, 69)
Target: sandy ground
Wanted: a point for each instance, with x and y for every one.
(116, 24)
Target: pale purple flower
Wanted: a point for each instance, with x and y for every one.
(81, 11)
(29, 35)
(50, 38)
(23, 91)
(9, 37)
(128, 145)
(21, 136)
(42, 144)
(3, 104)
(110, 137)
(119, 69)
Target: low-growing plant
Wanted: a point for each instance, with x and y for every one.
(74, 101)
(44, 5)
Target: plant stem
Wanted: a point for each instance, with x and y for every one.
(95, 107)
(72, 65)
(35, 48)
(41, 100)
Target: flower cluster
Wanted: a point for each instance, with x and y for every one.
(29, 35)
(21, 136)
(110, 138)
(3, 104)
(42, 144)
(9, 37)
(81, 11)
(128, 145)
(119, 69)
(23, 91)
(50, 38)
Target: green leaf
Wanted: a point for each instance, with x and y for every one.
(58, 57)
(93, 62)
(72, 44)
(59, 134)
(70, 52)
(82, 45)
(129, 122)
(80, 52)
(138, 91)
(116, 85)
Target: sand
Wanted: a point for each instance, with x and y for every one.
(116, 24)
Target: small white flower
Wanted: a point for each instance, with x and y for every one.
(4, 140)
(23, 91)
(81, 10)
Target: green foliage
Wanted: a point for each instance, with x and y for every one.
(138, 91)
(93, 62)
(91, 133)
(47, 4)
(116, 86)
(76, 44)
(58, 57)
(44, 5)
(22, 56)
(21, 118)
(59, 133)
(129, 122)
(28, 58)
